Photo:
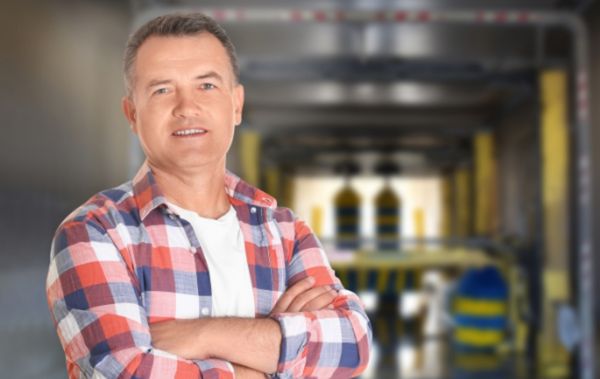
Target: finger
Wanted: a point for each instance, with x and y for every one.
(314, 301)
(306, 297)
(290, 294)
(320, 302)
(296, 303)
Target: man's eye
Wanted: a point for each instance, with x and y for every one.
(207, 86)
(161, 91)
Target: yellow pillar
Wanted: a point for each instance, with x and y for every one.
(419, 222)
(462, 205)
(484, 183)
(316, 220)
(447, 207)
(250, 153)
(553, 357)
(273, 181)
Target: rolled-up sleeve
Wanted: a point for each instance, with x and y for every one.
(99, 316)
(329, 343)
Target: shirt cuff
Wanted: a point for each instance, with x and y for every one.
(295, 333)
(215, 369)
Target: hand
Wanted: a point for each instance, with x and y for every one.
(303, 297)
(179, 337)
(242, 372)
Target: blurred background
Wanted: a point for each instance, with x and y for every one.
(444, 151)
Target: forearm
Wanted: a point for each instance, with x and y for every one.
(142, 363)
(332, 342)
(254, 343)
(313, 345)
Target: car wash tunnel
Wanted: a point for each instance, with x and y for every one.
(444, 152)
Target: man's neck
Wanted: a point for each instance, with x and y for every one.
(202, 192)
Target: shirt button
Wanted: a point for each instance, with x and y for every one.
(253, 210)
(204, 311)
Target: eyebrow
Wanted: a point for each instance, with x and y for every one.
(210, 74)
(155, 82)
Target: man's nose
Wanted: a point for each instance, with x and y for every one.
(187, 105)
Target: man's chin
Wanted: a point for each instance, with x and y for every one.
(197, 165)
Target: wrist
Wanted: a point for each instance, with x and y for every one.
(242, 372)
(202, 337)
(253, 343)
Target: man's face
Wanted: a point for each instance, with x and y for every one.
(185, 102)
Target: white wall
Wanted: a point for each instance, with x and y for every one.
(415, 193)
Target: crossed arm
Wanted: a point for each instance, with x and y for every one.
(256, 341)
(103, 327)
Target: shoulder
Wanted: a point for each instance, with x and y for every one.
(284, 219)
(106, 209)
(291, 225)
(283, 214)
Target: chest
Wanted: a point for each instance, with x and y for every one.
(174, 272)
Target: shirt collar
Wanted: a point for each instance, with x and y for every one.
(148, 195)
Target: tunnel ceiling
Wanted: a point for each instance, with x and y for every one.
(141, 5)
(317, 88)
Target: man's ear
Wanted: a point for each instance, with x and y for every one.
(128, 108)
(239, 103)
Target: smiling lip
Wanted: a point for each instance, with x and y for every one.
(192, 132)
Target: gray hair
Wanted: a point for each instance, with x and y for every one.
(177, 24)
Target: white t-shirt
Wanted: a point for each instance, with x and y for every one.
(223, 245)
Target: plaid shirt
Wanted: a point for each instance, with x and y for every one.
(124, 260)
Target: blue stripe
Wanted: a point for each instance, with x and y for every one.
(348, 228)
(390, 228)
(343, 212)
(485, 283)
(480, 322)
(387, 212)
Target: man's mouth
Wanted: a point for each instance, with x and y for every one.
(188, 132)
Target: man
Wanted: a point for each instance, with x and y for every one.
(187, 271)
